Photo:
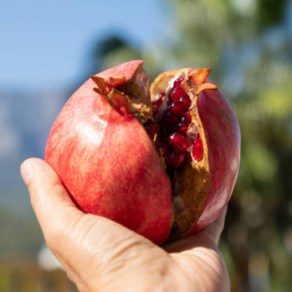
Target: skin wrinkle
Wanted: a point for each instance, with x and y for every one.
(214, 263)
(186, 280)
(71, 272)
(185, 260)
(121, 253)
(161, 271)
(187, 244)
(80, 237)
(58, 229)
(126, 258)
(120, 247)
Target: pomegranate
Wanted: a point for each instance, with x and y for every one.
(161, 160)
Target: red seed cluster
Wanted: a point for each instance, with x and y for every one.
(174, 134)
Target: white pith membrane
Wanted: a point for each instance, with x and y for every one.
(180, 145)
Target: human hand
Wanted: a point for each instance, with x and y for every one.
(101, 255)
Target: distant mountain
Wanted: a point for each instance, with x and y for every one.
(25, 121)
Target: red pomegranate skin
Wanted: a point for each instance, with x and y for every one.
(110, 168)
(108, 164)
(222, 134)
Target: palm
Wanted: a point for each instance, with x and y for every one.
(190, 264)
(200, 263)
(99, 254)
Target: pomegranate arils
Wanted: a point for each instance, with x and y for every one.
(187, 118)
(182, 128)
(198, 150)
(185, 101)
(176, 109)
(179, 141)
(176, 93)
(171, 131)
(178, 81)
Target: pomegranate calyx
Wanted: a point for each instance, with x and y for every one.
(116, 81)
(198, 80)
(103, 87)
(119, 101)
(125, 96)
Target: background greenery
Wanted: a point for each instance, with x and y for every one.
(248, 45)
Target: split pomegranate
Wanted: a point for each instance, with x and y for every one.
(162, 160)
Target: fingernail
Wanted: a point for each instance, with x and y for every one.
(27, 170)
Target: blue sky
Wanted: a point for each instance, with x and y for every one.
(44, 43)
